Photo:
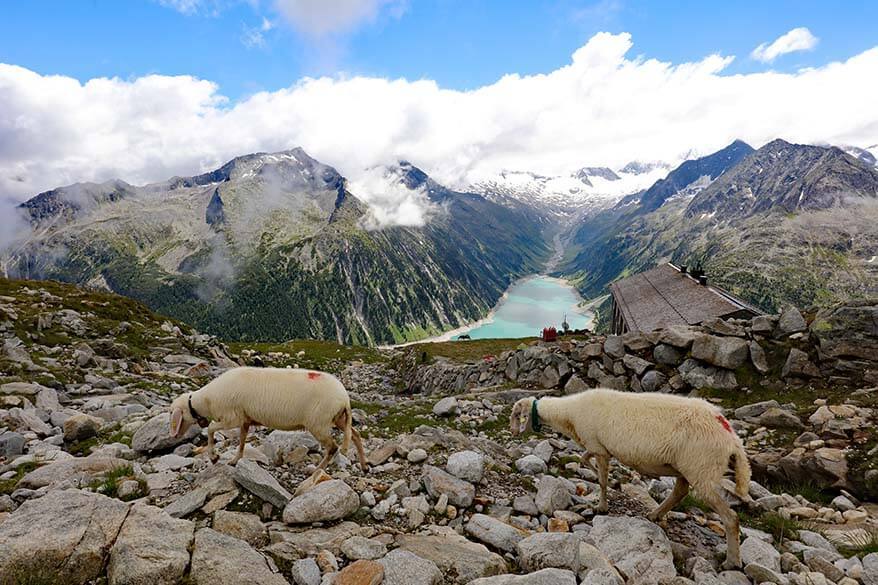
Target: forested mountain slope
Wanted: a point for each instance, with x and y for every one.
(275, 246)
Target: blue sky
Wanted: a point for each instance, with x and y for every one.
(143, 90)
(461, 44)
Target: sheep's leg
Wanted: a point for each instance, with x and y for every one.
(245, 428)
(603, 472)
(730, 524)
(331, 449)
(587, 460)
(212, 428)
(358, 443)
(681, 488)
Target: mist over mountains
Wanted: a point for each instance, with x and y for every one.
(276, 246)
(280, 245)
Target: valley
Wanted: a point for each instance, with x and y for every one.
(528, 306)
(277, 246)
(783, 224)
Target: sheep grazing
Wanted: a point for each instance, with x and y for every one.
(656, 434)
(278, 398)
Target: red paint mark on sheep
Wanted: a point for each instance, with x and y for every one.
(722, 420)
(313, 375)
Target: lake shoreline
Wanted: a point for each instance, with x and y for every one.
(489, 318)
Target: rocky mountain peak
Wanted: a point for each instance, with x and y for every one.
(293, 165)
(602, 172)
(71, 201)
(710, 166)
(410, 175)
(788, 176)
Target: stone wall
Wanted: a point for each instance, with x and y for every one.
(837, 346)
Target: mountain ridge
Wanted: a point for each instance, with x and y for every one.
(800, 177)
(275, 246)
(810, 242)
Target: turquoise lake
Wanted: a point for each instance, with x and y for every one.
(532, 304)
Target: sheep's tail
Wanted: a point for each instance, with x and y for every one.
(742, 473)
(348, 421)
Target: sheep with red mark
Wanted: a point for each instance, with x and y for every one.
(277, 398)
(656, 434)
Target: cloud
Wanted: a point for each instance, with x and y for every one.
(600, 12)
(253, 37)
(183, 6)
(798, 39)
(328, 18)
(601, 109)
(14, 226)
(200, 7)
(390, 202)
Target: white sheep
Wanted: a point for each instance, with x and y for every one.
(278, 398)
(656, 434)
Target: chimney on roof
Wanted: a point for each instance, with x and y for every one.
(702, 280)
(683, 269)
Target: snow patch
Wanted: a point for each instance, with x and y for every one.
(565, 191)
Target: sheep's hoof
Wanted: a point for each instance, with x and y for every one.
(731, 565)
(214, 458)
(234, 460)
(660, 520)
(602, 509)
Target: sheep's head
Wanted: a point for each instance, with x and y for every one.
(519, 421)
(181, 418)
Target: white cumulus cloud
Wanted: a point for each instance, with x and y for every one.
(390, 201)
(798, 39)
(602, 108)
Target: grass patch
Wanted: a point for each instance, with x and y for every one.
(802, 397)
(469, 351)
(860, 544)
(7, 486)
(494, 428)
(102, 311)
(30, 575)
(84, 447)
(52, 338)
(404, 421)
(318, 355)
(808, 490)
(109, 483)
(369, 408)
(690, 501)
(774, 524)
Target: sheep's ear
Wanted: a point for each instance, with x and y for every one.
(176, 422)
